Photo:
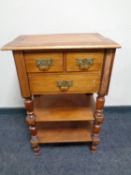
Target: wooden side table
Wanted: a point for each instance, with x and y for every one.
(58, 75)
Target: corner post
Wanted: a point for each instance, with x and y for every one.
(30, 119)
(100, 101)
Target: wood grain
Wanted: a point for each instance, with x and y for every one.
(107, 69)
(96, 55)
(64, 132)
(47, 84)
(58, 114)
(32, 56)
(99, 118)
(30, 119)
(60, 41)
(76, 107)
(21, 72)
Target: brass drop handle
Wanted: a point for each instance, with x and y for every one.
(85, 63)
(64, 85)
(44, 64)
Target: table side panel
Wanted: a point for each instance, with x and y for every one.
(22, 74)
(107, 70)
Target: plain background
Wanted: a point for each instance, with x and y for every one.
(111, 18)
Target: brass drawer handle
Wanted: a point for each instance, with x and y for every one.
(64, 85)
(44, 64)
(85, 63)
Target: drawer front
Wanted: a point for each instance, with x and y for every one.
(45, 83)
(85, 61)
(43, 62)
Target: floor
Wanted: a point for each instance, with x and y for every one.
(113, 156)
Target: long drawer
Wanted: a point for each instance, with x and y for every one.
(41, 83)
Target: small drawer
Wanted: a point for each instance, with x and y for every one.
(85, 61)
(38, 61)
(66, 83)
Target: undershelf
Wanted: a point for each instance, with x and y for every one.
(64, 118)
(51, 108)
(59, 132)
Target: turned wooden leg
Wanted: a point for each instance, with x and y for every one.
(32, 124)
(99, 118)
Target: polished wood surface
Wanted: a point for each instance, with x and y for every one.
(47, 84)
(31, 121)
(32, 57)
(99, 118)
(61, 41)
(49, 108)
(96, 55)
(107, 70)
(58, 132)
(58, 76)
(22, 74)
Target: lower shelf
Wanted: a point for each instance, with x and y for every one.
(58, 132)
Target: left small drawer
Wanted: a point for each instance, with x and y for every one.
(39, 61)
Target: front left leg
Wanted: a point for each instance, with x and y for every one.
(32, 124)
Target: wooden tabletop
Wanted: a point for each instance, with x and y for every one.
(60, 41)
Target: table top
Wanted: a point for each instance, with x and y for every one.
(61, 41)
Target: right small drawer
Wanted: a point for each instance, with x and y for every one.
(85, 61)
